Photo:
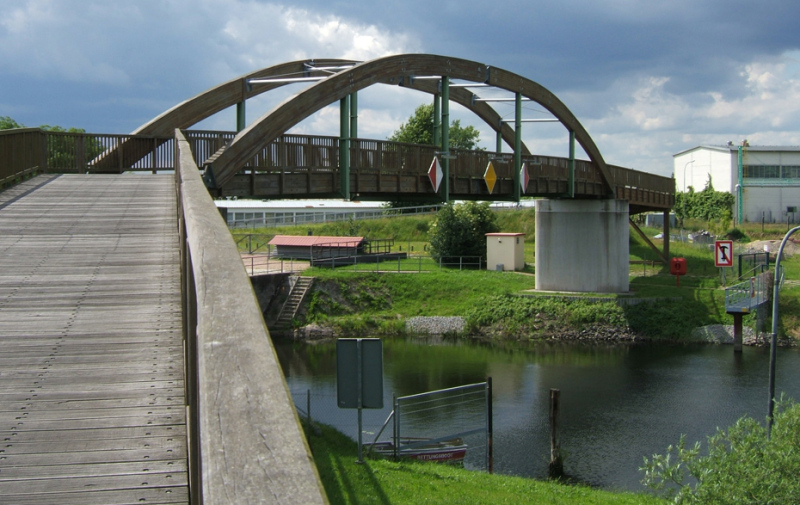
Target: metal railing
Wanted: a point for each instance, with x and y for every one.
(748, 295)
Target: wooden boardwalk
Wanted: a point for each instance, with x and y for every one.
(91, 358)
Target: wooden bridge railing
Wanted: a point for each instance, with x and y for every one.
(21, 155)
(306, 165)
(246, 442)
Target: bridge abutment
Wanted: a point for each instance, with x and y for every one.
(582, 245)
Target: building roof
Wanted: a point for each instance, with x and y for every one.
(735, 148)
(311, 240)
(319, 204)
(504, 234)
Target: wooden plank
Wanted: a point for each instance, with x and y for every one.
(96, 469)
(91, 356)
(154, 496)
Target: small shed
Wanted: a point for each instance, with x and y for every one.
(505, 251)
(316, 246)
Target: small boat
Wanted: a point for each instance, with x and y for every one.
(422, 449)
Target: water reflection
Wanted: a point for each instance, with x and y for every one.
(619, 403)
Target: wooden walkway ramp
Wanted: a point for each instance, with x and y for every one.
(91, 359)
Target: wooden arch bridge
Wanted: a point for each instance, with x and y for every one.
(261, 160)
(135, 363)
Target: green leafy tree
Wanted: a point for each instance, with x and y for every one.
(6, 123)
(742, 465)
(460, 230)
(419, 130)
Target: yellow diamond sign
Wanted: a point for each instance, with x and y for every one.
(490, 176)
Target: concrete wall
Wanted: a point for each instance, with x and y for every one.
(582, 245)
(507, 249)
(772, 201)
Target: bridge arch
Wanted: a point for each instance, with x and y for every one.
(400, 70)
(230, 93)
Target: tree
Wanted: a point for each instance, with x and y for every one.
(419, 130)
(460, 230)
(742, 464)
(707, 205)
(6, 123)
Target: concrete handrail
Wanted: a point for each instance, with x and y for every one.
(246, 444)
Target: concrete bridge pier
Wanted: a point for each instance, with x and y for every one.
(582, 245)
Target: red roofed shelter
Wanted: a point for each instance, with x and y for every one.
(313, 247)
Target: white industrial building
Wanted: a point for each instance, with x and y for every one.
(254, 213)
(764, 179)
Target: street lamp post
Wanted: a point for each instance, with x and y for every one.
(774, 342)
(684, 193)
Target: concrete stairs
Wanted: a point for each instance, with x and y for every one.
(297, 293)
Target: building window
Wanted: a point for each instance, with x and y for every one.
(761, 171)
(791, 172)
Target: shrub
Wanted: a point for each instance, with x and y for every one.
(742, 464)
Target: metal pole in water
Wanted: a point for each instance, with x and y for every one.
(774, 341)
(489, 426)
(360, 403)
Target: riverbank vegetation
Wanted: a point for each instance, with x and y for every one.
(347, 482)
(739, 465)
(362, 303)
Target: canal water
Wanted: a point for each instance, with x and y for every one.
(618, 403)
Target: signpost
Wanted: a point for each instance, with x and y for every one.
(359, 377)
(723, 255)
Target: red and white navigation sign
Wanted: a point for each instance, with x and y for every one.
(723, 253)
(435, 174)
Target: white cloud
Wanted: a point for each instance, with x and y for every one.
(293, 33)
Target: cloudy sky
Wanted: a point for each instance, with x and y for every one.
(647, 78)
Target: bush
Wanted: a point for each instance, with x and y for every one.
(742, 464)
(460, 230)
(735, 234)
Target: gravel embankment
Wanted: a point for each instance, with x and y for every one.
(435, 325)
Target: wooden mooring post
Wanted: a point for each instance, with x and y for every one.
(556, 467)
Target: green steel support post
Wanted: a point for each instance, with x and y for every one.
(571, 181)
(353, 115)
(240, 117)
(437, 119)
(446, 136)
(739, 189)
(517, 144)
(344, 147)
(499, 141)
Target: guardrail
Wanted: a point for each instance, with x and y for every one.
(246, 443)
(742, 298)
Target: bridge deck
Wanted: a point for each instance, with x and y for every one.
(91, 360)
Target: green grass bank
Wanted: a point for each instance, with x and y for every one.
(380, 481)
(362, 303)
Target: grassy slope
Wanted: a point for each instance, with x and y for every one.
(386, 482)
(382, 300)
